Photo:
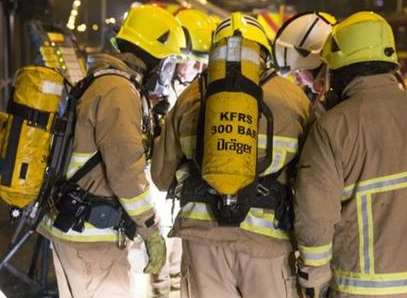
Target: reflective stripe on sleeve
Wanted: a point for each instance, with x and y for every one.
(138, 204)
(77, 161)
(316, 255)
(370, 284)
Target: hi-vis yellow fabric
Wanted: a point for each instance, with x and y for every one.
(26, 146)
(231, 119)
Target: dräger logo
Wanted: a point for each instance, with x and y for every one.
(233, 145)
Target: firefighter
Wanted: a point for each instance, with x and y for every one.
(350, 191)
(297, 49)
(250, 259)
(198, 29)
(90, 252)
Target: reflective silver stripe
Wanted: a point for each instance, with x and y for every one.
(138, 204)
(276, 164)
(375, 184)
(77, 161)
(317, 256)
(89, 234)
(347, 281)
(370, 284)
(53, 88)
(258, 221)
(365, 228)
(198, 207)
(246, 54)
(287, 143)
(199, 211)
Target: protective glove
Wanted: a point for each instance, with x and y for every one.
(156, 251)
(314, 281)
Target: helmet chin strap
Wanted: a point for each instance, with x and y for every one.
(322, 89)
(331, 98)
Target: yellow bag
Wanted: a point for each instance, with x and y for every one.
(231, 115)
(32, 109)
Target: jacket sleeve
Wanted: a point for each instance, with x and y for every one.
(119, 139)
(318, 192)
(167, 154)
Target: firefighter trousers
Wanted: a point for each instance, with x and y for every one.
(219, 271)
(97, 271)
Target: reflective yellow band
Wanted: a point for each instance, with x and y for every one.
(259, 222)
(286, 143)
(256, 221)
(375, 185)
(77, 161)
(137, 205)
(316, 255)
(198, 211)
(371, 284)
(365, 224)
(279, 160)
(89, 234)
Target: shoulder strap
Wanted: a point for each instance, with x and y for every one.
(268, 159)
(268, 75)
(134, 78)
(80, 88)
(200, 129)
(86, 168)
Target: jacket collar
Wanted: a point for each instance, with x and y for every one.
(126, 62)
(369, 84)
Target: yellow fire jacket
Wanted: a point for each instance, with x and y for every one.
(109, 118)
(351, 190)
(257, 234)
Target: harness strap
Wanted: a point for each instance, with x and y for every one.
(86, 168)
(33, 116)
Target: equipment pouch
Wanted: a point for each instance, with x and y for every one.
(284, 213)
(73, 206)
(103, 215)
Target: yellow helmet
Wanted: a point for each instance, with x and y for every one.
(154, 30)
(198, 30)
(246, 25)
(174, 8)
(215, 21)
(271, 22)
(362, 37)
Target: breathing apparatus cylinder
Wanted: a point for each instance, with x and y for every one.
(231, 115)
(28, 133)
